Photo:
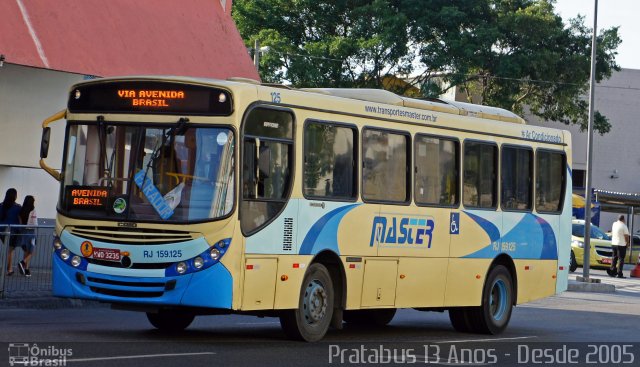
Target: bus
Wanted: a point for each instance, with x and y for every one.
(182, 197)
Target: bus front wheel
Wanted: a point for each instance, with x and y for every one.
(170, 320)
(310, 321)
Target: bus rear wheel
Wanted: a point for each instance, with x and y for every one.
(493, 315)
(310, 321)
(378, 317)
(170, 320)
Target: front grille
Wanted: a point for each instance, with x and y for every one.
(127, 284)
(154, 289)
(126, 294)
(123, 235)
(114, 264)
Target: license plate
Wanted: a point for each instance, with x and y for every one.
(106, 254)
(606, 261)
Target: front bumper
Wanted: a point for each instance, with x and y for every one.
(211, 288)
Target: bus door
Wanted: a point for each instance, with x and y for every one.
(266, 213)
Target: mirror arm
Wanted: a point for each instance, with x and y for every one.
(45, 124)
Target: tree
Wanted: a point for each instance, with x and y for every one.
(514, 54)
(327, 43)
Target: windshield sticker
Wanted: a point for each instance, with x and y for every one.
(153, 195)
(119, 205)
(173, 197)
(222, 139)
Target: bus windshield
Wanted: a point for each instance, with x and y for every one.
(174, 173)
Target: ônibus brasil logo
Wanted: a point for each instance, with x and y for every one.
(26, 354)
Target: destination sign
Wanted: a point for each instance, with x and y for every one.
(86, 197)
(150, 97)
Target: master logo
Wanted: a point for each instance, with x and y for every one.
(397, 230)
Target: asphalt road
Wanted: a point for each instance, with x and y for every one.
(105, 337)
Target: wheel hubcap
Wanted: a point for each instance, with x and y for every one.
(315, 302)
(498, 300)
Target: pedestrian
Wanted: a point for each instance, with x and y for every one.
(10, 214)
(619, 243)
(29, 217)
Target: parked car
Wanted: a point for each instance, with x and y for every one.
(600, 254)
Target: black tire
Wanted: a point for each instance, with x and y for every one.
(170, 320)
(459, 320)
(494, 313)
(574, 263)
(311, 320)
(377, 317)
(493, 316)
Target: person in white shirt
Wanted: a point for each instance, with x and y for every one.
(619, 243)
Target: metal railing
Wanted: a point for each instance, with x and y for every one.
(40, 265)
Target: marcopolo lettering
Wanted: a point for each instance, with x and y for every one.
(409, 231)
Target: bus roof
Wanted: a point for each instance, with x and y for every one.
(361, 94)
(433, 104)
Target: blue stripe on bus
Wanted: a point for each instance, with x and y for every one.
(531, 238)
(492, 231)
(323, 235)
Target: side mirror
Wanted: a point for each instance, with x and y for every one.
(44, 143)
(264, 161)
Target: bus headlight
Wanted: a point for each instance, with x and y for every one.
(75, 261)
(57, 244)
(215, 253)
(577, 243)
(200, 262)
(64, 254)
(181, 268)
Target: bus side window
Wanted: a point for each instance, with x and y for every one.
(516, 178)
(550, 180)
(329, 161)
(436, 171)
(480, 175)
(385, 166)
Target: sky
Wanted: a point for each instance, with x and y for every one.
(622, 13)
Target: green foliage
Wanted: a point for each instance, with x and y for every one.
(511, 53)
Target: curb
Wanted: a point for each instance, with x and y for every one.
(575, 286)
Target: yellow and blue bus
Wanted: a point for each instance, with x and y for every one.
(182, 197)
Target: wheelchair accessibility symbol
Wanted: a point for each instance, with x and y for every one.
(454, 226)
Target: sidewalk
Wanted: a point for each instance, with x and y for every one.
(44, 300)
(628, 284)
